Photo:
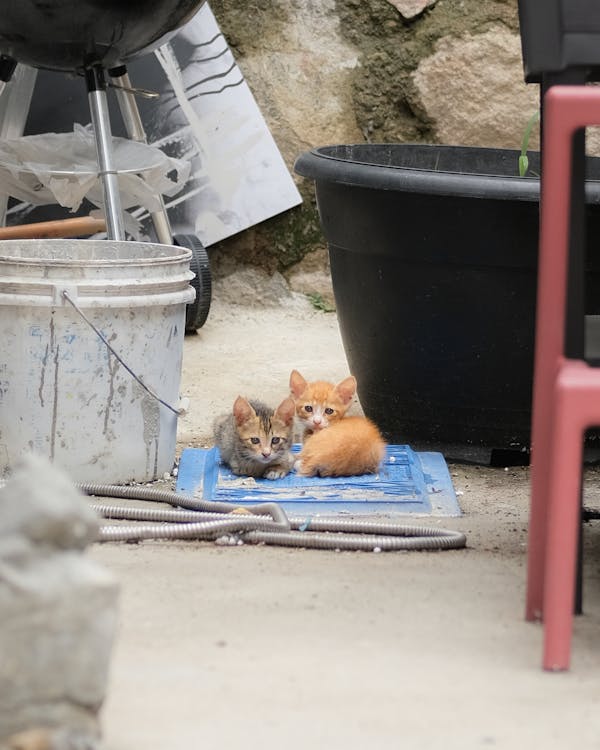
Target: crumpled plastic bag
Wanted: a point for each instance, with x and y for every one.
(63, 168)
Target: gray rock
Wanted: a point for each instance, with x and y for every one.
(58, 611)
(40, 506)
(252, 287)
(314, 284)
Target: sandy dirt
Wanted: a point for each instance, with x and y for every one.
(222, 647)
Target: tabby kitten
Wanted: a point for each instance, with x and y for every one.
(334, 445)
(254, 440)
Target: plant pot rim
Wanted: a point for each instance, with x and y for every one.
(382, 166)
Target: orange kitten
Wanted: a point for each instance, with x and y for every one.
(320, 404)
(334, 445)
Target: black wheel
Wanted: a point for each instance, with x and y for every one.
(197, 311)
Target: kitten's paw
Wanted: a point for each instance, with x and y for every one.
(276, 473)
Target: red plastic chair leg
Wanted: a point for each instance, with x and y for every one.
(539, 483)
(576, 407)
(565, 462)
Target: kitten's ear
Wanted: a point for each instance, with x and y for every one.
(286, 411)
(297, 384)
(242, 411)
(346, 389)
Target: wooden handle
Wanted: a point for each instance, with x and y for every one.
(60, 228)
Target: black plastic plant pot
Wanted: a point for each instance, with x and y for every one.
(433, 255)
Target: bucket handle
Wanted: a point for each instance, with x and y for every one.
(178, 411)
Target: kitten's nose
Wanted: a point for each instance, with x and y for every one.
(266, 454)
(317, 420)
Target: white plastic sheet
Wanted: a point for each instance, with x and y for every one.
(63, 168)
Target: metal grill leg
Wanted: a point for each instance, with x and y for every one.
(98, 102)
(135, 130)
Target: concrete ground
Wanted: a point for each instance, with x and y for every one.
(227, 647)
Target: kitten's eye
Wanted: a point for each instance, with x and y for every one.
(275, 440)
(308, 408)
(328, 410)
(255, 440)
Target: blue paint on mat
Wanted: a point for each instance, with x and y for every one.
(408, 482)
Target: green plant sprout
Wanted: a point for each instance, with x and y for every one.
(523, 158)
(319, 303)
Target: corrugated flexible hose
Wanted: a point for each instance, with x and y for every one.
(263, 523)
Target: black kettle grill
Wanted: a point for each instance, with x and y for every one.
(95, 39)
(92, 38)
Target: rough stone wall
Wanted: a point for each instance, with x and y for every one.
(348, 71)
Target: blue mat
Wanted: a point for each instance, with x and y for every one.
(408, 482)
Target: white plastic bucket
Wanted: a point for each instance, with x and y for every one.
(62, 392)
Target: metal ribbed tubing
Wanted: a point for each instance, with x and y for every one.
(350, 525)
(202, 530)
(156, 514)
(128, 492)
(254, 527)
(365, 542)
(346, 525)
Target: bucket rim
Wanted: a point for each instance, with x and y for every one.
(172, 254)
